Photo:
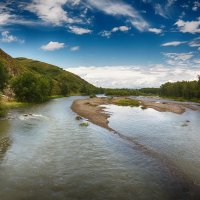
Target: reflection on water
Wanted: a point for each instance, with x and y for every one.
(52, 157)
(5, 140)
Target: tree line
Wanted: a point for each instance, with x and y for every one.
(181, 89)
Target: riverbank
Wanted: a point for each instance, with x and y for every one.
(93, 110)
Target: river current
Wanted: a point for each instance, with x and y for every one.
(46, 154)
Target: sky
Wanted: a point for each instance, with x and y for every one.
(110, 43)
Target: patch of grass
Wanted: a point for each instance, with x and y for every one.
(84, 124)
(3, 110)
(56, 96)
(92, 95)
(127, 102)
(15, 104)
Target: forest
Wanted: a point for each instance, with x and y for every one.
(180, 90)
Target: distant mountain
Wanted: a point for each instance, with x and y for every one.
(58, 76)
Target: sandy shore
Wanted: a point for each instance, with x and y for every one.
(90, 109)
(177, 108)
(93, 110)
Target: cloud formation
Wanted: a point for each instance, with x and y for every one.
(4, 18)
(79, 30)
(135, 76)
(119, 8)
(155, 30)
(8, 38)
(75, 48)
(174, 43)
(114, 30)
(188, 26)
(52, 46)
(50, 11)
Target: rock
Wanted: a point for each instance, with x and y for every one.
(78, 117)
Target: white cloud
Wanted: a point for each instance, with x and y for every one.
(114, 30)
(121, 28)
(4, 18)
(75, 48)
(8, 38)
(196, 5)
(179, 56)
(160, 10)
(188, 26)
(155, 30)
(51, 46)
(119, 8)
(51, 11)
(195, 42)
(197, 61)
(79, 30)
(135, 76)
(170, 3)
(174, 43)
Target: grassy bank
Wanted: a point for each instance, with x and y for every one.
(7, 105)
(127, 102)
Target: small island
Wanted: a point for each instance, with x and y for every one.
(93, 108)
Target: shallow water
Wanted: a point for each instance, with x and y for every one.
(47, 155)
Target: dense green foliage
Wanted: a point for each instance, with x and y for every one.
(3, 76)
(132, 92)
(3, 110)
(149, 91)
(31, 88)
(127, 102)
(63, 82)
(121, 92)
(184, 89)
(34, 81)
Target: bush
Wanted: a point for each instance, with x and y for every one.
(3, 76)
(84, 124)
(31, 88)
(127, 102)
(3, 110)
(92, 96)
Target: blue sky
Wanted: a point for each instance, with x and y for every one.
(111, 43)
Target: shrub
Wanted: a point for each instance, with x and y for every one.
(3, 76)
(31, 88)
(92, 96)
(3, 110)
(84, 124)
(127, 102)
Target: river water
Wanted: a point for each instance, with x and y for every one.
(48, 155)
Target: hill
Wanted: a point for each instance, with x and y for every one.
(62, 81)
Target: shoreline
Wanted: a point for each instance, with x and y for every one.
(93, 110)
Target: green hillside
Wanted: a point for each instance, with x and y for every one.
(61, 80)
(20, 72)
(59, 76)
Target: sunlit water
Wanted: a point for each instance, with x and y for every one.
(47, 155)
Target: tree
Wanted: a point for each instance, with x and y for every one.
(64, 89)
(31, 88)
(3, 76)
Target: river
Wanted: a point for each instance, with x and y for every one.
(48, 155)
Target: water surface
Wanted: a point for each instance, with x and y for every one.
(47, 155)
